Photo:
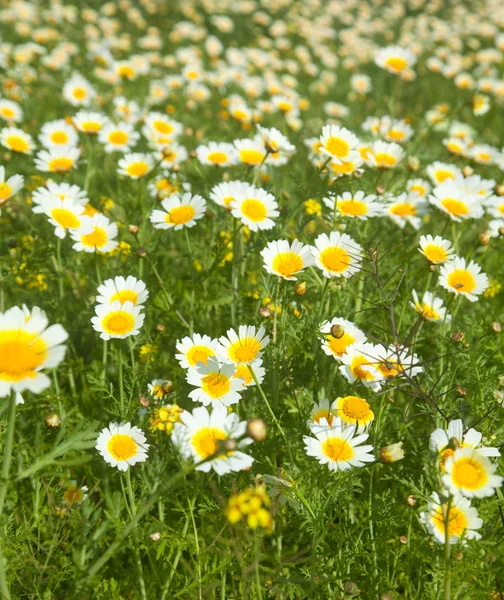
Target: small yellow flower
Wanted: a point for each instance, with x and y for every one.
(252, 506)
(313, 207)
(147, 352)
(165, 417)
(493, 289)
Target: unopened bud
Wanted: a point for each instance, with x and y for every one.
(392, 453)
(133, 229)
(403, 539)
(229, 445)
(256, 429)
(461, 391)
(141, 252)
(265, 312)
(53, 421)
(484, 238)
(160, 327)
(380, 189)
(300, 288)
(155, 537)
(411, 500)
(144, 401)
(413, 163)
(500, 190)
(496, 327)
(433, 268)
(337, 331)
(351, 588)
(458, 336)
(467, 171)
(193, 154)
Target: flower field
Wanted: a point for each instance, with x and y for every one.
(251, 305)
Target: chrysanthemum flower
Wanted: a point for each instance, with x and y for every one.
(118, 137)
(494, 205)
(58, 134)
(421, 187)
(337, 143)
(89, 122)
(339, 334)
(122, 445)
(322, 413)
(172, 155)
(355, 205)
(127, 110)
(225, 194)
(360, 363)
(361, 83)
(10, 187)
(396, 361)
(78, 91)
(196, 349)
(455, 202)
(396, 130)
(57, 160)
(160, 388)
(348, 166)
(436, 250)
(286, 260)
(74, 494)
(484, 154)
(244, 347)
(337, 255)
(275, 141)
(255, 208)
(462, 520)
(16, 140)
(245, 376)
(353, 410)
(250, 152)
(395, 59)
(66, 215)
(218, 154)
(129, 289)
(385, 155)
(57, 190)
(336, 446)
(10, 111)
(215, 383)
(439, 172)
(470, 473)
(160, 129)
(456, 146)
(202, 434)
(27, 346)
(404, 209)
(464, 279)
(135, 165)
(430, 308)
(101, 238)
(117, 320)
(179, 212)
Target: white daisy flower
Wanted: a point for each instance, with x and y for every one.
(172, 155)
(250, 152)
(10, 187)
(470, 473)
(384, 155)
(65, 215)
(10, 111)
(255, 208)
(360, 364)
(16, 140)
(135, 165)
(339, 334)
(196, 349)
(443, 441)
(355, 205)
(395, 59)
(455, 202)
(57, 160)
(337, 255)
(218, 154)
(494, 205)
(122, 445)
(77, 91)
(355, 411)
(89, 122)
(225, 194)
(101, 239)
(215, 383)
(462, 520)
(436, 249)
(244, 347)
(464, 279)
(120, 137)
(243, 373)
(129, 289)
(57, 190)
(338, 447)
(421, 187)
(202, 434)
(406, 208)
(275, 141)
(337, 142)
(439, 172)
(58, 134)
(117, 320)
(179, 212)
(430, 308)
(286, 260)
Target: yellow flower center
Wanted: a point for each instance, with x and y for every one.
(396, 63)
(427, 312)
(462, 281)
(337, 147)
(336, 259)
(395, 134)
(455, 207)
(199, 354)
(254, 210)
(287, 264)
(322, 413)
(352, 208)
(338, 449)
(5, 191)
(218, 158)
(468, 473)
(73, 495)
(251, 157)
(17, 143)
(355, 409)
(8, 113)
(162, 127)
(137, 169)
(59, 137)
(339, 346)
(98, 238)
(245, 350)
(118, 137)
(215, 385)
(118, 323)
(206, 441)
(65, 218)
(443, 175)
(126, 71)
(343, 168)
(60, 165)
(484, 156)
(122, 446)
(125, 296)
(79, 93)
(21, 354)
(389, 369)
(243, 372)
(457, 521)
(385, 160)
(180, 215)
(357, 371)
(419, 189)
(445, 455)
(403, 210)
(91, 126)
(435, 254)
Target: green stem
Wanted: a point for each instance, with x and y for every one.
(256, 565)
(196, 543)
(447, 571)
(104, 361)
(121, 384)
(132, 502)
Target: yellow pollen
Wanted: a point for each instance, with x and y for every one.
(180, 215)
(65, 218)
(122, 446)
(162, 127)
(79, 93)
(218, 158)
(251, 157)
(403, 210)
(21, 354)
(137, 169)
(357, 371)
(118, 323)
(443, 175)
(118, 137)
(335, 259)
(245, 350)
(98, 238)
(206, 441)
(354, 409)
(462, 281)
(60, 165)
(455, 207)
(396, 63)
(243, 372)
(338, 449)
(215, 384)
(17, 143)
(91, 126)
(339, 346)
(385, 160)
(59, 137)
(287, 264)
(457, 521)
(255, 210)
(427, 312)
(199, 354)
(435, 254)
(337, 147)
(8, 113)
(468, 473)
(126, 71)
(125, 296)
(352, 208)
(5, 191)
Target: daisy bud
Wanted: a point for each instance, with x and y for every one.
(413, 163)
(484, 238)
(501, 230)
(229, 445)
(351, 588)
(337, 331)
(403, 539)
(133, 229)
(265, 312)
(141, 252)
(144, 401)
(459, 556)
(500, 190)
(387, 596)
(467, 171)
(380, 189)
(300, 288)
(256, 429)
(458, 336)
(461, 391)
(155, 537)
(411, 500)
(496, 327)
(392, 453)
(433, 268)
(160, 327)
(53, 421)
